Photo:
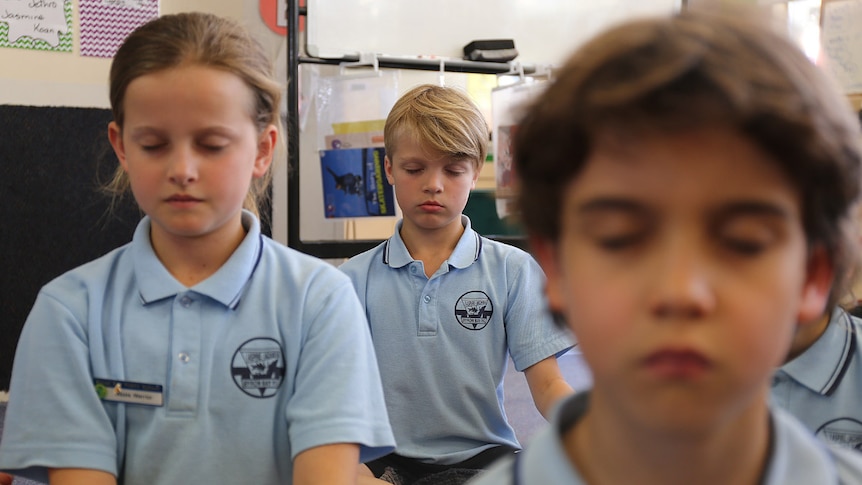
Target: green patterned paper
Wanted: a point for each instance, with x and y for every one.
(44, 25)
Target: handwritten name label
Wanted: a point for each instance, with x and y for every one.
(37, 19)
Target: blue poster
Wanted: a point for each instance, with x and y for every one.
(354, 183)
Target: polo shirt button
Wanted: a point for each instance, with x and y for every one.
(413, 269)
(185, 301)
(427, 298)
(184, 357)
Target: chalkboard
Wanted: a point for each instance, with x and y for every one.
(544, 31)
(841, 38)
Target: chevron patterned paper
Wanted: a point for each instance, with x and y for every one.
(58, 41)
(106, 23)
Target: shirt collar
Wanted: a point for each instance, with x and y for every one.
(795, 456)
(822, 366)
(466, 252)
(225, 285)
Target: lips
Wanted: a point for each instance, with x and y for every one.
(431, 206)
(182, 198)
(677, 364)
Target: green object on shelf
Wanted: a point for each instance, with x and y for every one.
(482, 210)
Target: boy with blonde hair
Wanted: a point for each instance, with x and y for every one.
(446, 306)
(688, 184)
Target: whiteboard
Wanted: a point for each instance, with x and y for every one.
(545, 31)
(841, 39)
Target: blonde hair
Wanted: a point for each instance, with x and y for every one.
(197, 39)
(442, 118)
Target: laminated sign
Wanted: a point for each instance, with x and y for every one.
(354, 183)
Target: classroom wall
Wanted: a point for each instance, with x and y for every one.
(38, 78)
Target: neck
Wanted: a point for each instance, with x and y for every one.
(431, 246)
(193, 259)
(807, 334)
(730, 452)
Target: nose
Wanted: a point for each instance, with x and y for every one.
(433, 182)
(682, 286)
(182, 167)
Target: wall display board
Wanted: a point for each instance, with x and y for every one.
(544, 31)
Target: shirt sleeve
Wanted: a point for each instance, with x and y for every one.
(54, 418)
(338, 396)
(531, 332)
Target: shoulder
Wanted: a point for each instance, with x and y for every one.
(362, 262)
(93, 275)
(500, 252)
(295, 269)
(798, 457)
(544, 460)
(848, 464)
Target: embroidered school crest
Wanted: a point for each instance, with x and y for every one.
(473, 310)
(257, 367)
(843, 432)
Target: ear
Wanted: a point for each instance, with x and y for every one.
(817, 287)
(476, 171)
(546, 255)
(387, 167)
(265, 151)
(115, 136)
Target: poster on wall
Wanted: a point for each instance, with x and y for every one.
(354, 183)
(44, 25)
(106, 23)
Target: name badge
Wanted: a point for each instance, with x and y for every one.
(129, 392)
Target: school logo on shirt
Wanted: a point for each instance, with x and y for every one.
(257, 367)
(844, 432)
(473, 310)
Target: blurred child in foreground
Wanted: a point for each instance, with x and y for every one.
(688, 185)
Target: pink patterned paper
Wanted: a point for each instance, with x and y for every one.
(106, 23)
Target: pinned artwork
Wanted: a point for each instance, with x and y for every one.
(354, 183)
(106, 23)
(44, 25)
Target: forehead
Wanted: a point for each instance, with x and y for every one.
(197, 88)
(408, 148)
(678, 169)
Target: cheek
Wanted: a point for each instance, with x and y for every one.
(763, 316)
(599, 305)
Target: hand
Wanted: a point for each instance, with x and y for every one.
(5, 479)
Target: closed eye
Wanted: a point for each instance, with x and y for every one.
(620, 242)
(744, 247)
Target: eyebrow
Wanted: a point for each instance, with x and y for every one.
(752, 208)
(734, 209)
(604, 204)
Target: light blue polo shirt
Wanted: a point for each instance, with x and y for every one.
(797, 457)
(822, 387)
(268, 357)
(442, 342)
